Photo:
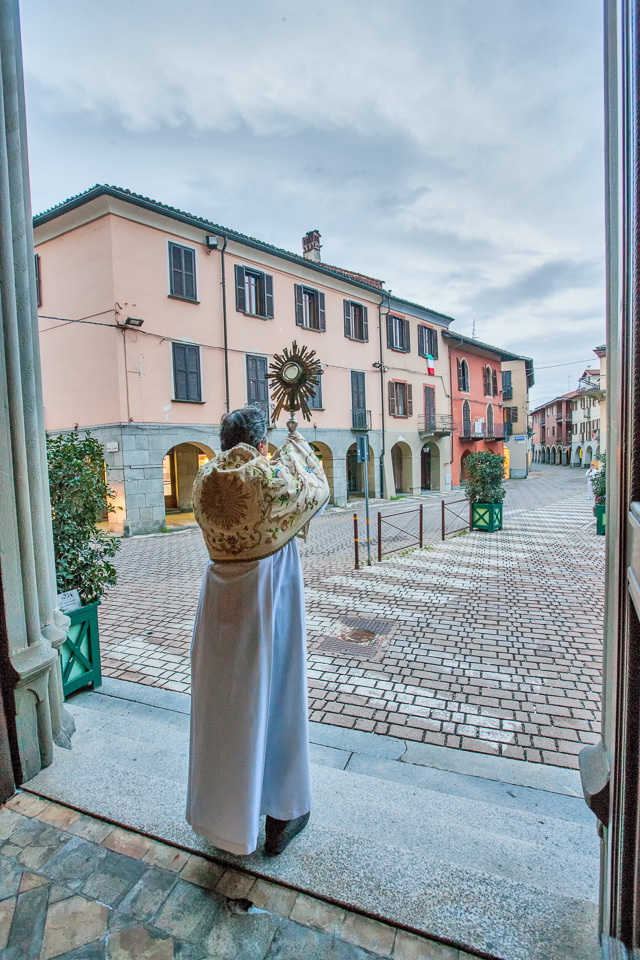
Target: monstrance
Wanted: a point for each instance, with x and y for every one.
(295, 374)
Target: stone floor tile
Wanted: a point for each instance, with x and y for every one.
(88, 951)
(147, 896)
(27, 927)
(164, 856)
(139, 943)
(9, 820)
(27, 803)
(10, 876)
(316, 913)
(57, 815)
(272, 897)
(113, 877)
(90, 828)
(28, 831)
(31, 880)
(247, 935)
(6, 916)
(38, 854)
(74, 861)
(10, 850)
(235, 884)
(189, 912)
(410, 947)
(72, 923)
(295, 942)
(203, 872)
(60, 891)
(127, 842)
(369, 934)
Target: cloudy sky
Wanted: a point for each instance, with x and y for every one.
(452, 148)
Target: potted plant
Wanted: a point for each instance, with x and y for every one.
(599, 487)
(485, 490)
(79, 496)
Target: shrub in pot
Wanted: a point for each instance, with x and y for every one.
(599, 487)
(79, 495)
(485, 490)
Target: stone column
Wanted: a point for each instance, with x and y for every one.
(35, 627)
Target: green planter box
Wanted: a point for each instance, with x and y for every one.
(80, 652)
(599, 513)
(486, 516)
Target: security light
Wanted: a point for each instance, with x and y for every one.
(133, 322)
(212, 242)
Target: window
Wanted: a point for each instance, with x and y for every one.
(486, 376)
(510, 414)
(429, 408)
(182, 270)
(309, 308)
(489, 419)
(466, 419)
(398, 337)
(186, 373)
(494, 383)
(315, 402)
(257, 384)
(38, 283)
(400, 399)
(254, 292)
(463, 376)
(427, 342)
(507, 388)
(356, 323)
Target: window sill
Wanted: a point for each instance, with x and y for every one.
(398, 350)
(178, 400)
(316, 409)
(312, 329)
(355, 339)
(400, 416)
(258, 316)
(174, 296)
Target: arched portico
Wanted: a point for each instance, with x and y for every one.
(588, 457)
(356, 473)
(325, 455)
(402, 462)
(180, 465)
(430, 466)
(464, 475)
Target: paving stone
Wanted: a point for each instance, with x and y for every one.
(316, 913)
(235, 884)
(295, 942)
(149, 893)
(57, 816)
(10, 876)
(113, 878)
(202, 872)
(90, 829)
(270, 896)
(410, 947)
(189, 912)
(31, 880)
(9, 820)
(165, 856)
(74, 861)
(6, 916)
(124, 841)
(71, 924)
(28, 925)
(247, 935)
(27, 804)
(369, 934)
(88, 951)
(140, 943)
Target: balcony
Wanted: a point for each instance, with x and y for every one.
(436, 426)
(360, 419)
(507, 393)
(495, 432)
(542, 421)
(471, 431)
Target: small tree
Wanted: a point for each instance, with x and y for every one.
(79, 495)
(485, 473)
(599, 482)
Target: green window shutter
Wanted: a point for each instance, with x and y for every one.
(267, 283)
(365, 325)
(514, 414)
(297, 287)
(194, 391)
(240, 297)
(175, 260)
(460, 386)
(189, 273)
(421, 333)
(322, 322)
(406, 336)
(392, 398)
(389, 332)
(433, 343)
(348, 331)
(180, 386)
(430, 405)
(409, 389)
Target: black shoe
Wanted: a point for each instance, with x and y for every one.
(280, 833)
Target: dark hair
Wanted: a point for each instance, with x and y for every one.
(247, 425)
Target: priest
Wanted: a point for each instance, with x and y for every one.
(249, 752)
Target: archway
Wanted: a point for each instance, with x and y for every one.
(402, 462)
(179, 468)
(553, 455)
(577, 458)
(430, 467)
(325, 455)
(559, 456)
(464, 475)
(588, 457)
(355, 473)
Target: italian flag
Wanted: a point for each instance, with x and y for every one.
(430, 365)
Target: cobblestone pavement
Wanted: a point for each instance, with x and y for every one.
(494, 642)
(74, 887)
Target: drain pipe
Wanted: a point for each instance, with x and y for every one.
(381, 365)
(223, 283)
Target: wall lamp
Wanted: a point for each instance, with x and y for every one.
(133, 322)
(378, 365)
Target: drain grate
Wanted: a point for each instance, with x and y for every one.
(358, 638)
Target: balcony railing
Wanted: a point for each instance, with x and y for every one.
(436, 425)
(481, 431)
(507, 393)
(360, 419)
(495, 431)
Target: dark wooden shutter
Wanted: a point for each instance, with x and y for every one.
(429, 406)
(38, 281)
(409, 390)
(194, 391)
(358, 396)
(365, 325)
(267, 287)
(406, 336)
(433, 343)
(240, 297)
(180, 371)
(189, 273)
(392, 398)
(421, 347)
(494, 383)
(347, 319)
(177, 285)
(460, 386)
(322, 322)
(514, 414)
(299, 304)
(390, 332)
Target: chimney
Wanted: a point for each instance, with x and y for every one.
(311, 246)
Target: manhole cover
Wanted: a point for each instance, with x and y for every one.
(358, 638)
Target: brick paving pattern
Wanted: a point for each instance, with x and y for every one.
(73, 887)
(497, 641)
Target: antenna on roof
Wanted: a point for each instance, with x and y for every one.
(473, 332)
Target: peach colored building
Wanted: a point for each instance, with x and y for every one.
(154, 322)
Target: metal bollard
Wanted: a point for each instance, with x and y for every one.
(355, 540)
